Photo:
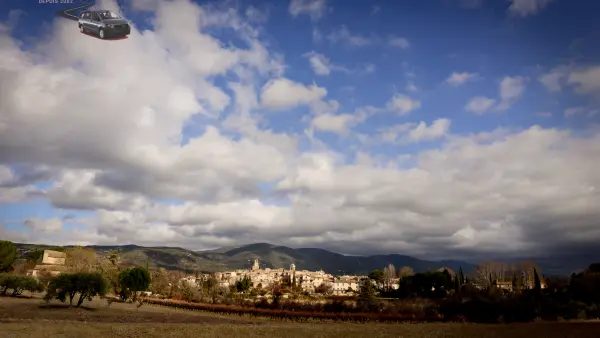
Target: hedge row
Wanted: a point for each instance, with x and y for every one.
(293, 315)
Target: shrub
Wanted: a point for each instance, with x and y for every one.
(19, 284)
(86, 284)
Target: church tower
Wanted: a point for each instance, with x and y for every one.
(255, 266)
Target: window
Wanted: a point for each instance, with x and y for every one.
(108, 15)
(85, 15)
(95, 17)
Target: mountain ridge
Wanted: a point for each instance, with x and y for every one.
(269, 255)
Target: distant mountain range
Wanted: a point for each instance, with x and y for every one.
(269, 255)
(273, 256)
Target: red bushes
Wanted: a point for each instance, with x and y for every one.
(292, 314)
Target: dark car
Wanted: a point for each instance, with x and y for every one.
(103, 23)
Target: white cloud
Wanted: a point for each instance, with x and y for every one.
(52, 225)
(457, 79)
(422, 132)
(321, 65)
(403, 104)
(400, 42)
(342, 34)
(339, 124)
(553, 80)
(282, 93)
(574, 111)
(479, 105)
(525, 8)
(587, 80)
(415, 132)
(511, 90)
(316, 9)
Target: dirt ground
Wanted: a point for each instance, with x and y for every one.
(30, 318)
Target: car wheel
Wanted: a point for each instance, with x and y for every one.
(101, 33)
(81, 29)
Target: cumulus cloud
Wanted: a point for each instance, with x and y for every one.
(402, 104)
(574, 111)
(415, 132)
(457, 79)
(343, 35)
(283, 93)
(479, 105)
(341, 123)
(399, 42)
(554, 79)
(321, 64)
(525, 8)
(511, 90)
(52, 225)
(586, 80)
(316, 9)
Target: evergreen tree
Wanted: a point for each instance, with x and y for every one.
(8, 256)
(537, 286)
(461, 276)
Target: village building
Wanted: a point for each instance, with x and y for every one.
(307, 280)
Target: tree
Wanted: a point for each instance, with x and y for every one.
(160, 282)
(389, 273)
(81, 259)
(406, 271)
(34, 256)
(134, 280)
(537, 285)
(323, 289)
(367, 294)
(86, 284)
(461, 276)
(377, 276)
(244, 284)
(8, 256)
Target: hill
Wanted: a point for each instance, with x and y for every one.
(270, 256)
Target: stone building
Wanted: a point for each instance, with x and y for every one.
(52, 262)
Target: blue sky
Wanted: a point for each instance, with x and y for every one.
(435, 74)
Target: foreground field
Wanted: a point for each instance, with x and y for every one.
(30, 318)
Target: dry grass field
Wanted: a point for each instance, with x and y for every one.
(30, 318)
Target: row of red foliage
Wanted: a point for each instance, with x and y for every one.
(293, 315)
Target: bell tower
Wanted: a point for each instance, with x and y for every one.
(255, 266)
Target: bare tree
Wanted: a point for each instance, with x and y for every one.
(405, 271)
(389, 273)
(81, 259)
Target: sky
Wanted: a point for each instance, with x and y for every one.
(438, 129)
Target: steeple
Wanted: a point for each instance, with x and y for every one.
(255, 266)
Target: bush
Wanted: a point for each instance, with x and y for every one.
(86, 284)
(133, 281)
(19, 284)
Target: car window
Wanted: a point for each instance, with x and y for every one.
(85, 15)
(95, 17)
(108, 15)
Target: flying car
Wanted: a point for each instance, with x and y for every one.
(103, 23)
